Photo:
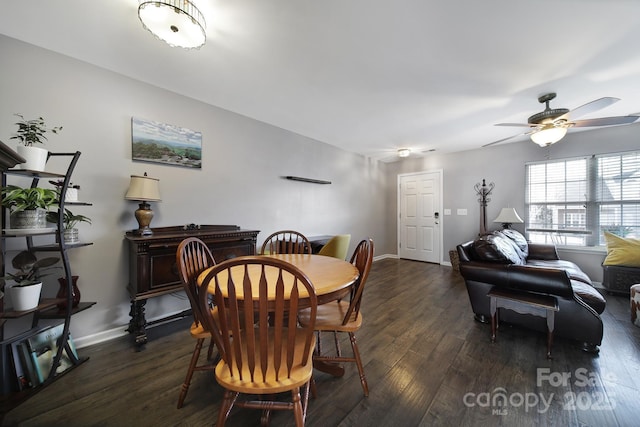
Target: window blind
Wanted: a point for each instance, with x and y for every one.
(572, 201)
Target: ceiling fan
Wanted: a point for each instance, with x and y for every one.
(550, 126)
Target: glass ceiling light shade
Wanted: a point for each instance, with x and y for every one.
(143, 189)
(507, 217)
(404, 152)
(548, 135)
(177, 22)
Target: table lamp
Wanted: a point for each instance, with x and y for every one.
(507, 217)
(143, 189)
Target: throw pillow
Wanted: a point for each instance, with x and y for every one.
(518, 239)
(622, 251)
(496, 248)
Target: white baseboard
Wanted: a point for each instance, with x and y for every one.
(384, 256)
(117, 332)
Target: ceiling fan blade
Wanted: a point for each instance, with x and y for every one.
(516, 124)
(589, 107)
(504, 139)
(605, 121)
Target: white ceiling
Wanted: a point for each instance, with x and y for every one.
(369, 76)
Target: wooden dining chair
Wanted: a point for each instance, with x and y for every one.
(345, 316)
(337, 246)
(192, 257)
(286, 242)
(274, 356)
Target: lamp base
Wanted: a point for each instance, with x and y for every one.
(144, 215)
(146, 231)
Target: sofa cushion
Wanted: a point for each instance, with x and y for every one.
(497, 248)
(621, 251)
(589, 295)
(574, 272)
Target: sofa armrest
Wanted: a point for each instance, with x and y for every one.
(542, 280)
(526, 278)
(464, 251)
(543, 251)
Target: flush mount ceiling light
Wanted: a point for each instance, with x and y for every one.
(177, 22)
(548, 135)
(404, 152)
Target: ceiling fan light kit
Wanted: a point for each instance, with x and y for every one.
(548, 135)
(179, 23)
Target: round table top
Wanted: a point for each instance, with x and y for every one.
(331, 277)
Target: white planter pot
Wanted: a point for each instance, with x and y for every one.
(71, 195)
(25, 297)
(36, 157)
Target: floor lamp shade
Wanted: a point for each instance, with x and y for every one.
(144, 189)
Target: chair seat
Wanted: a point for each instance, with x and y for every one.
(197, 330)
(330, 317)
(300, 375)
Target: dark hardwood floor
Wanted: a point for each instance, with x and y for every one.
(427, 362)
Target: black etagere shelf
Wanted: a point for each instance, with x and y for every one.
(49, 308)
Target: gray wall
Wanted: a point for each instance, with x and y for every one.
(240, 182)
(504, 166)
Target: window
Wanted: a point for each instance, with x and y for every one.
(572, 201)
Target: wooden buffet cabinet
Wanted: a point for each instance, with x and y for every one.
(152, 263)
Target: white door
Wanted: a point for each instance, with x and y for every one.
(420, 200)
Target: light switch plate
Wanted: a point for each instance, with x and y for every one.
(461, 211)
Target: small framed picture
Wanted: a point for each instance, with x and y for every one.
(166, 144)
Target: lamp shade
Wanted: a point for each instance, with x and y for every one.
(548, 135)
(177, 22)
(508, 216)
(143, 188)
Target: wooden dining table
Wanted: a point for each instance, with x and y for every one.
(331, 279)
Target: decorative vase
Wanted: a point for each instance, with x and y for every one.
(36, 157)
(28, 219)
(62, 292)
(25, 297)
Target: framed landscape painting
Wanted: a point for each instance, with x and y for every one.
(167, 144)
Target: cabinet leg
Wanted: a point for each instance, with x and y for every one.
(138, 322)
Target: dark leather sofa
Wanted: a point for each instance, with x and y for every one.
(505, 259)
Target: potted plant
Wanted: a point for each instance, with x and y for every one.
(32, 132)
(28, 206)
(69, 222)
(71, 195)
(25, 293)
